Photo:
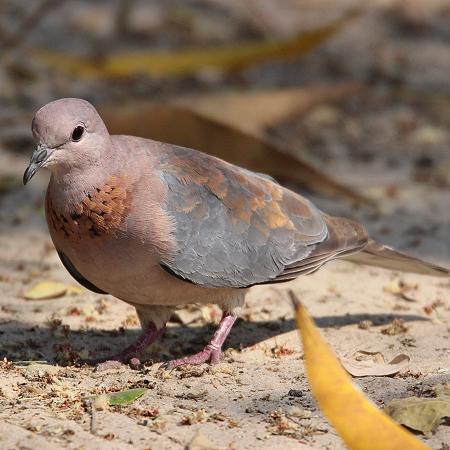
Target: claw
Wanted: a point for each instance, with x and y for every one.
(212, 352)
(130, 354)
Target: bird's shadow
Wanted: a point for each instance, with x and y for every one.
(24, 341)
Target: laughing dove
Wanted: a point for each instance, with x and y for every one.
(160, 226)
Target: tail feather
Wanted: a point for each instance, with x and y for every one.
(379, 255)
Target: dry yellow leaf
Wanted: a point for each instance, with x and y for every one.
(357, 420)
(45, 290)
(190, 61)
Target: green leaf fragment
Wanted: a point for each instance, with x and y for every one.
(127, 397)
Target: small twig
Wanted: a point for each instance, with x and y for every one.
(93, 427)
(29, 362)
(28, 24)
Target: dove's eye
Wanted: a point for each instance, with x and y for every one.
(77, 133)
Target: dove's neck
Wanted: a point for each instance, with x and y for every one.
(69, 187)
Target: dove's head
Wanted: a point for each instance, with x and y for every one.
(69, 134)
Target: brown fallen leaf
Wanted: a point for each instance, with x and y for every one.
(364, 364)
(235, 134)
(46, 290)
(256, 110)
(421, 414)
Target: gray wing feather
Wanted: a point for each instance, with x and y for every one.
(237, 233)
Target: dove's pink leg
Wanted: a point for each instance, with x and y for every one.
(212, 352)
(132, 353)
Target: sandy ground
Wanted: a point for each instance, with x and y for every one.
(391, 142)
(235, 404)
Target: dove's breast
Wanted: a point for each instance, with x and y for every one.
(114, 248)
(99, 214)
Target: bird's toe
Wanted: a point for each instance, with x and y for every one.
(208, 354)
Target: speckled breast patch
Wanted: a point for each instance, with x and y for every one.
(100, 213)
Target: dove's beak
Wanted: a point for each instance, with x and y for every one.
(38, 158)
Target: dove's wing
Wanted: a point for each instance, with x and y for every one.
(235, 228)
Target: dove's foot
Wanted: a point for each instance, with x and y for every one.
(208, 354)
(212, 352)
(131, 354)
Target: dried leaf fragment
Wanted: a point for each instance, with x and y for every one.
(421, 414)
(198, 416)
(397, 326)
(46, 290)
(402, 289)
(364, 364)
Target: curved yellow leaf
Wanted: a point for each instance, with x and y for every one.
(357, 420)
(190, 61)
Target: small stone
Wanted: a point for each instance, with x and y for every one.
(295, 393)
(365, 324)
(135, 363)
(296, 411)
(397, 326)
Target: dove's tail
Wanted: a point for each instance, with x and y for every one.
(379, 255)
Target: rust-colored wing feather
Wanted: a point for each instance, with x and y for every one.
(235, 228)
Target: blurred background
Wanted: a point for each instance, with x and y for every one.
(345, 101)
(359, 95)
